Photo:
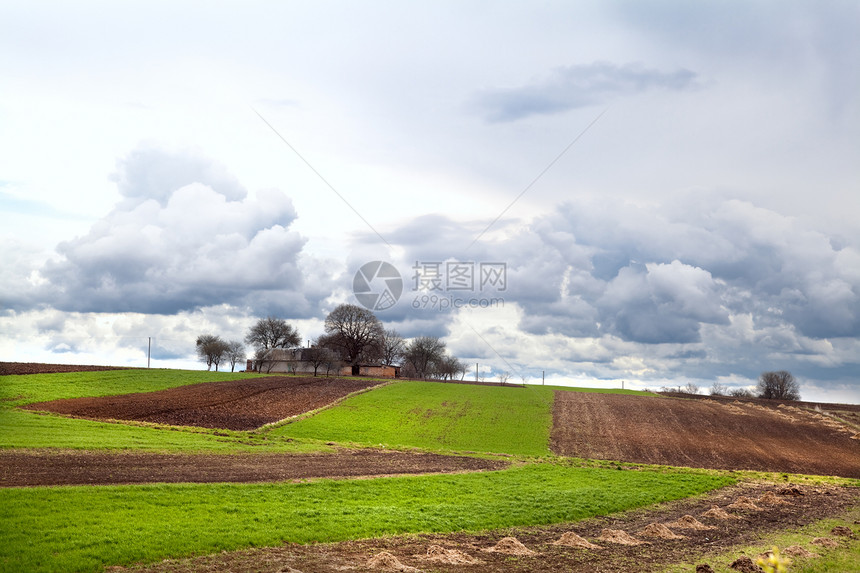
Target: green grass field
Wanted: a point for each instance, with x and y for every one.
(25, 429)
(88, 528)
(85, 528)
(438, 416)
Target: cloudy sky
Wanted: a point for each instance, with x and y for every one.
(672, 188)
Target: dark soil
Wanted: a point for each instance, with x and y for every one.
(702, 433)
(47, 468)
(7, 368)
(232, 405)
(816, 503)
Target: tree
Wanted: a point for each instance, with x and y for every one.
(424, 354)
(741, 393)
(392, 347)
(271, 332)
(235, 353)
(689, 388)
(319, 356)
(355, 333)
(449, 367)
(504, 377)
(779, 385)
(718, 389)
(211, 350)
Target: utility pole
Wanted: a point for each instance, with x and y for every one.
(476, 371)
(543, 377)
(148, 350)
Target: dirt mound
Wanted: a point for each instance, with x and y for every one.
(620, 537)
(511, 546)
(699, 433)
(790, 491)
(743, 502)
(770, 498)
(842, 531)
(388, 562)
(704, 568)
(798, 551)
(659, 531)
(745, 565)
(825, 542)
(232, 405)
(689, 522)
(571, 539)
(441, 554)
(717, 512)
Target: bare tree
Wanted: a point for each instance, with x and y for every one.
(779, 385)
(718, 389)
(319, 356)
(273, 332)
(424, 354)
(211, 350)
(354, 332)
(525, 378)
(504, 377)
(448, 367)
(392, 347)
(235, 353)
(689, 388)
(741, 393)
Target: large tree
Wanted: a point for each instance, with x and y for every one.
(779, 385)
(211, 349)
(235, 353)
(425, 356)
(354, 333)
(319, 356)
(393, 346)
(271, 332)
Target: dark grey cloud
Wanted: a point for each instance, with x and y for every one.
(578, 86)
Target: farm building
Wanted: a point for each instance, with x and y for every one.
(297, 361)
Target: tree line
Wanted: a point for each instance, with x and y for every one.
(353, 336)
(779, 385)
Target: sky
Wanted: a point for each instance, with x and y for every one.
(581, 193)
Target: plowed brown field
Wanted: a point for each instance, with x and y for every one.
(701, 433)
(232, 405)
(46, 467)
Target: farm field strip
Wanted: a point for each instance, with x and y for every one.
(437, 416)
(702, 433)
(85, 528)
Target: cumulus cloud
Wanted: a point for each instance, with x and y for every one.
(578, 86)
(185, 239)
(706, 286)
(153, 173)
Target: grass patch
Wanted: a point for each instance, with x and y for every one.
(22, 429)
(438, 416)
(26, 429)
(845, 558)
(85, 528)
(17, 390)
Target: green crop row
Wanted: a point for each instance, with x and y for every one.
(87, 528)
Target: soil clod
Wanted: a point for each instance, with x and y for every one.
(388, 562)
(620, 537)
(717, 512)
(571, 539)
(745, 565)
(689, 522)
(798, 551)
(447, 556)
(659, 531)
(511, 546)
(842, 531)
